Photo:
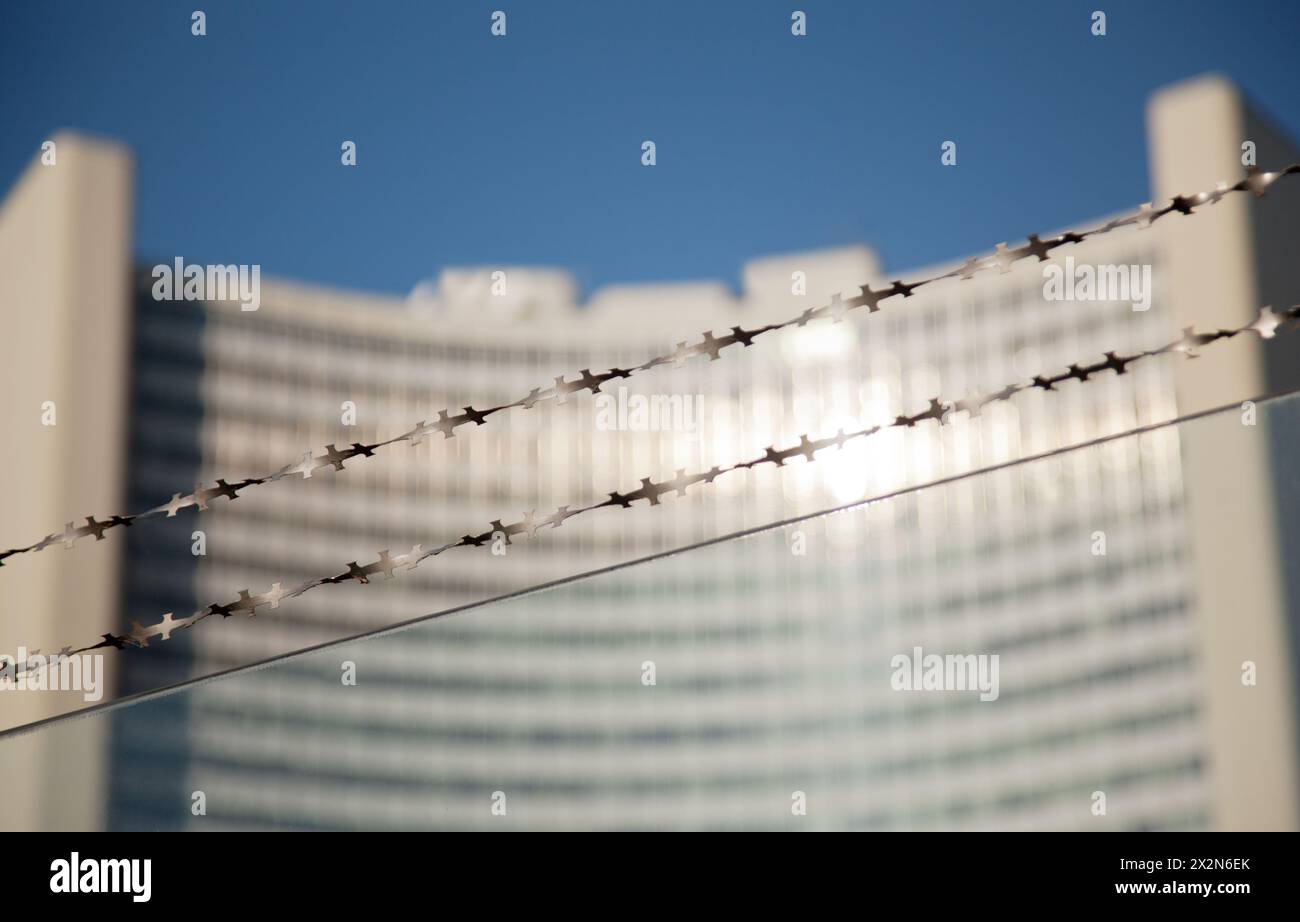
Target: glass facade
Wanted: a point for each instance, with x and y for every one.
(768, 652)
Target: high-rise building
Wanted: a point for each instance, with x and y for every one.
(1119, 672)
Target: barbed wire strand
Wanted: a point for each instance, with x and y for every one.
(140, 697)
(1266, 325)
(447, 423)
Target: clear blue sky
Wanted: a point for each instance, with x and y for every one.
(475, 150)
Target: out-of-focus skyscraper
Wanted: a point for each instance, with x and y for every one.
(1134, 689)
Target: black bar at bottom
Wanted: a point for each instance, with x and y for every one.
(334, 871)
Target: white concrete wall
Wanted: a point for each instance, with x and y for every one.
(65, 259)
(1214, 279)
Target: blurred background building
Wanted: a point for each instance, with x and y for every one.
(1120, 673)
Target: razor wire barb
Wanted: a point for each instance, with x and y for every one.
(1266, 325)
(447, 423)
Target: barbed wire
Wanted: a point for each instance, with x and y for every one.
(447, 423)
(1266, 325)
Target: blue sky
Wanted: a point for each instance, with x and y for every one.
(474, 150)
